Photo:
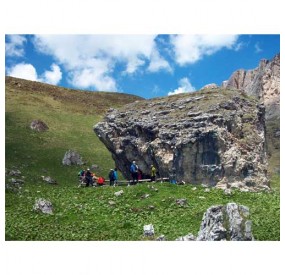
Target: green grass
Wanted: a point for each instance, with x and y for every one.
(85, 213)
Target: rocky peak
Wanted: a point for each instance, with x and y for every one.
(213, 136)
(262, 82)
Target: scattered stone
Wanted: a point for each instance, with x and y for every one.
(194, 188)
(151, 207)
(201, 197)
(15, 173)
(227, 192)
(49, 180)
(148, 230)
(112, 203)
(161, 238)
(38, 125)
(94, 167)
(145, 196)
(181, 202)
(72, 158)
(119, 193)
(43, 205)
(210, 86)
(207, 190)
(189, 237)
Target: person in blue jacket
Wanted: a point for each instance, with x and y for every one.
(115, 176)
(134, 172)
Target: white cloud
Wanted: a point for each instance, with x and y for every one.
(24, 71)
(81, 54)
(157, 63)
(14, 46)
(188, 49)
(257, 48)
(184, 87)
(93, 75)
(28, 71)
(53, 76)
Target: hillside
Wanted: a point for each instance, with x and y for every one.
(95, 213)
(69, 114)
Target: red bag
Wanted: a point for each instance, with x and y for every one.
(100, 180)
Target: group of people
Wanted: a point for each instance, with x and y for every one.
(90, 179)
(137, 173)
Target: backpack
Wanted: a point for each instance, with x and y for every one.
(134, 168)
(100, 180)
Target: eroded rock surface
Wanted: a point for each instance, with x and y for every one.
(212, 137)
(262, 82)
(223, 223)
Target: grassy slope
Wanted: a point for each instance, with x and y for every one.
(85, 213)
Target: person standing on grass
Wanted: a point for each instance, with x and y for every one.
(111, 177)
(88, 178)
(115, 176)
(134, 172)
(152, 173)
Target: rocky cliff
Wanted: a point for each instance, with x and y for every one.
(215, 137)
(262, 82)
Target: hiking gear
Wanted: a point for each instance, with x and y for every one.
(100, 181)
(134, 168)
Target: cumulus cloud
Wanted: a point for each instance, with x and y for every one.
(53, 76)
(184, 87)
(83, 55)
(93, 75)
(15, 45)
(188, 49)
(157, 63)
(24, 71)
(28, 71)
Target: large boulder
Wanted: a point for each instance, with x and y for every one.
(223, 223)
(43, 206)
(72, 158)
(38, 125)
(215, 137)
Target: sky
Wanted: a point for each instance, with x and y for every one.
(149, 66)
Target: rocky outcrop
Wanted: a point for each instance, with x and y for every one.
(38, 125)
(224, 223)
(210, 86)
(43, 206)
(262, 82)
(72, 158)
(215, 137)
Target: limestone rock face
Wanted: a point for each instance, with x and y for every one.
(223, 223)
(213, 137)
(262, 82)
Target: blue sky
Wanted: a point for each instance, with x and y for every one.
(144, 65)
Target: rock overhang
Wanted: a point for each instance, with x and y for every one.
(214, 137)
